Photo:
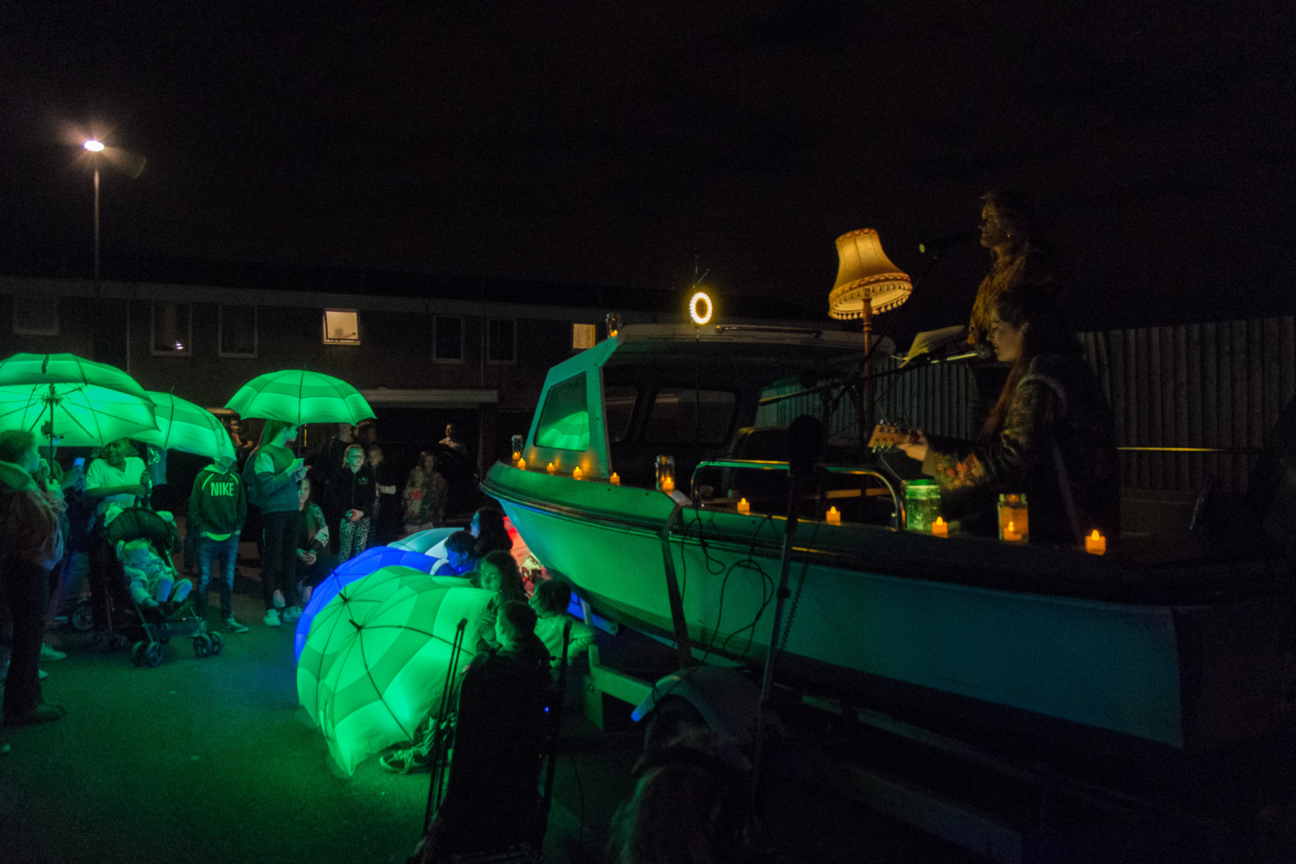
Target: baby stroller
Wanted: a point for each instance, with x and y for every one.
(112, 613)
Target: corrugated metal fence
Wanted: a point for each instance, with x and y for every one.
(1217, 386)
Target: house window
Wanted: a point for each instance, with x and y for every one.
(582, 336)
(238, 331)
(341, 327)
(172, 329)
(447, 339)
(35, 316)
(681, 415)
(501, 340)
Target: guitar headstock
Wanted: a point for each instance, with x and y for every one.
(886, 436)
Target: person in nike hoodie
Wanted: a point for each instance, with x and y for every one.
(218, 508)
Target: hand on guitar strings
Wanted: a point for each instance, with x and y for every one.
(915, 445)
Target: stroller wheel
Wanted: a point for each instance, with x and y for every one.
(137, 654)
(202, 646)
(218, 644)
(153, 654)
(82, 616)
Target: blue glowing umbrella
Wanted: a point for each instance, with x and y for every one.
(372, 559)
(425, 541)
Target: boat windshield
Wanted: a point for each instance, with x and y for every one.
(564, 423)
(681, 414)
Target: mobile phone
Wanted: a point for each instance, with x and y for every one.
(78, 462)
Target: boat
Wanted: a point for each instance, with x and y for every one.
(1130, 648)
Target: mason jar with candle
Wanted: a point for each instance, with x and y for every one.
(922, 504)
(1014, 519)
(517, 447)
(666, 474)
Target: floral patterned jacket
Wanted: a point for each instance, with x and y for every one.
(1057, 402)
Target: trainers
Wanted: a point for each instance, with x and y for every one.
(48, 653)
(39, 714)
(278, 599)
(292, 613)
(405, 761)
(229, 625)
(271, 618)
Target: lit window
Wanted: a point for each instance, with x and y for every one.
(564, 423)
(682, 414)
(172, 329)
(501, 340)
(341, 327)
(447, 340)
(582, 336)
(35, 316)
(238, 331)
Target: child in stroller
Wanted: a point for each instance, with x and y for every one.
(134, 593)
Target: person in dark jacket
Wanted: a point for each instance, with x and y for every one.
(353, 488)
(31, 542)
(314, 560)
(277, 475)
(218, 509)
(326, 466)
(387, 516)
(1050, 436)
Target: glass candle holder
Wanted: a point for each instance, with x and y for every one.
(922, 504)
(1014, 518)
(517, 447)
(666, 474)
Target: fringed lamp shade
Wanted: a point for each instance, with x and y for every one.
(867, 281)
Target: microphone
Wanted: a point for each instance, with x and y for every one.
(940, 244)
(979, 351)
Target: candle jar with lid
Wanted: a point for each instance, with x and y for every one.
(666, 474)
(1014, 521)
(922, 504)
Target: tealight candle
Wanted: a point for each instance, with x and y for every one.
(615, 479)
(1011, 534)
(743, 506)
(940, 528)
(576, 473)
(667, 485)
(521, 464)
(1096, 544)
(834, 516)
(551, 469)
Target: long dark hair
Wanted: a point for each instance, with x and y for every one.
(491, 533)
(1047, 334)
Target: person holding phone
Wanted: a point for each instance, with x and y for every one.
(276, 473)
(353, 488)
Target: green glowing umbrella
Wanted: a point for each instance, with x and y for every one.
(569, 433)
(73, 401)
(185, 426)
(298, 396)
(375, 661)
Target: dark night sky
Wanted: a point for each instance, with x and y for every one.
(609, 143)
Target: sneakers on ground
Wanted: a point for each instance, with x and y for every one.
(278, 599)
(405, 761)
(271, 618)
(48, 653)
(229, 625)
(292, 613)
(39, 714)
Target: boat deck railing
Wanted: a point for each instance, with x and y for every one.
(897, 514)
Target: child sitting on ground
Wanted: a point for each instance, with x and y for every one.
(459, 555)
(550, 602)
(152, 580)
(499, 574)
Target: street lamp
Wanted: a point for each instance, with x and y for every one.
(95, 147)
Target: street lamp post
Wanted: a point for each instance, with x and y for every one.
(95, 147)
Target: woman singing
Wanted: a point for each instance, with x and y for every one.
(1049, 435)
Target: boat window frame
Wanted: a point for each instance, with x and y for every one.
(651, 404)
(635, 408)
